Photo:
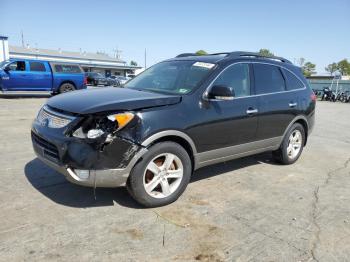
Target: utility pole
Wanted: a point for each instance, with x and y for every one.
(22, 38)
(145, 58)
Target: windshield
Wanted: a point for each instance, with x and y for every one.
(174, 77)
(4, 63)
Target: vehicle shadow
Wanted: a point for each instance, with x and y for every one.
(16, 96)
(55, 187)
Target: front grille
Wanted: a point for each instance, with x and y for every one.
(52, 119)
(46, 148)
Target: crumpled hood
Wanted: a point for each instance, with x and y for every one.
(109, 99)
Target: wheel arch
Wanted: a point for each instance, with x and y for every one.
(301, 120)
(174, 136)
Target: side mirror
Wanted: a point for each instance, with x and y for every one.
(7, 68)
(221, 92)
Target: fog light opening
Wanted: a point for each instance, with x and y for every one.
(82, 174)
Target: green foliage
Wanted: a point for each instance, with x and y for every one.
(331, 68)
(201, 52)
(344, 67)
(133, 63)
(265, 52)
(307, 68)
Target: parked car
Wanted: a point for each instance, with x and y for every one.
(177, 116)
(116, 81)
(111, 81)
(121, 80)
(18, 75)
(96, 79)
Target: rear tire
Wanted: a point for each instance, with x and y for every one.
(66, 87)
(292, 145)
(161, 176)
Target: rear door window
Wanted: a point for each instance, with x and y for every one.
(268, 79)
(293, 82)
(37, 67)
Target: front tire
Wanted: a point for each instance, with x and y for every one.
(292, 145)
(161, 176)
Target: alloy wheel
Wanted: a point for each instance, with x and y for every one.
(163, 175)
(294, 144)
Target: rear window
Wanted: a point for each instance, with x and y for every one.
(67, 69)
(268, 79)
(37, 67)
(293, 82)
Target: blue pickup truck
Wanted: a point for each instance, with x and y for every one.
(34, 76)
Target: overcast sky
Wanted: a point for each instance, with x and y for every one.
(315, 30)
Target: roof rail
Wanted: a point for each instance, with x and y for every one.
(257, 55)
(186, 54)
(222, 53)
(239, 54)
(194, 54)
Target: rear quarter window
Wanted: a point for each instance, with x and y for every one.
(69, 69)
(268, 79)
(293, 82)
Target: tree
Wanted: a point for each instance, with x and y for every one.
(133, 63)
(307, 68)
(344, 67)
(201, 52)
(301, 61)
(265, 52)
(331, 68)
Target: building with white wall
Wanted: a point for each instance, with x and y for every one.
(94, 62)
(4, 48)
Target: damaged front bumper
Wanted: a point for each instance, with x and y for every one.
(84, 161)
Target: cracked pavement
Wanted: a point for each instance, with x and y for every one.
(249, 209)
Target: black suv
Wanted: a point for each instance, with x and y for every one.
(177, 116)
(96, 79)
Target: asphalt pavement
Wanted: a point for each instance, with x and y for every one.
(249, 209)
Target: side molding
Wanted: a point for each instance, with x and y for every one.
(237, 151)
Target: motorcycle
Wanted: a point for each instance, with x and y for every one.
(328, 95)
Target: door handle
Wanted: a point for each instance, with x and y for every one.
(292, 104)
(251, 111)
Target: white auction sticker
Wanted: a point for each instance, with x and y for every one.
(202, 64)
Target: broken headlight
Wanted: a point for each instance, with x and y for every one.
(97, 126)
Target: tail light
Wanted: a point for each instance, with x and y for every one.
(85, 80)
(313, 97)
